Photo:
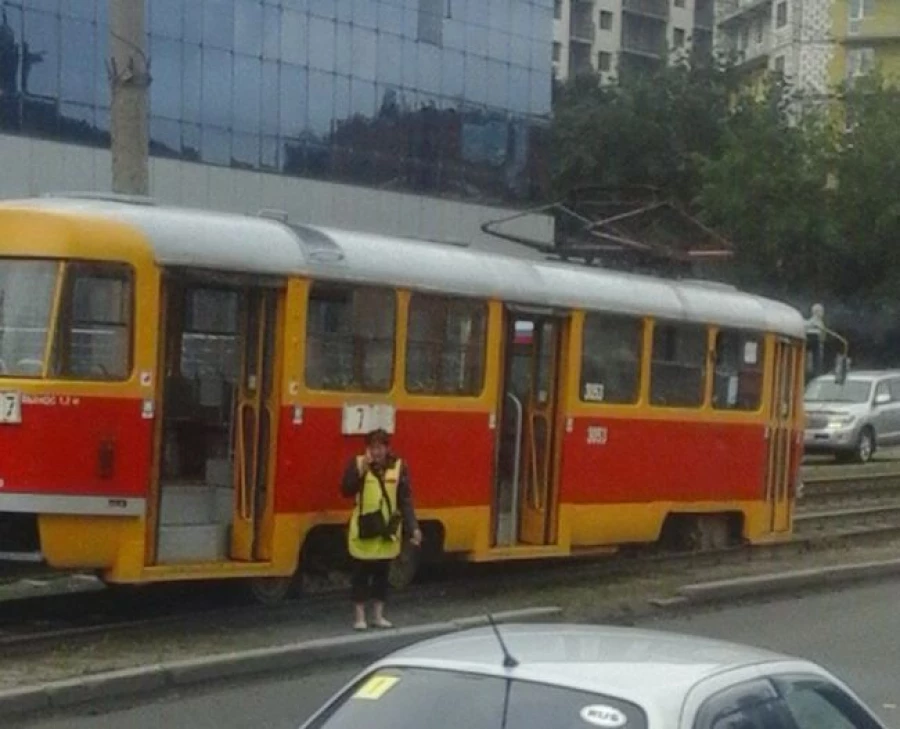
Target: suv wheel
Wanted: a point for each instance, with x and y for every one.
(865, 447)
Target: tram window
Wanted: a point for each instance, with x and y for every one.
(350, 338)
(678, 373)
(611, 359)
(94, 336)
(739, 371)
(445, 346)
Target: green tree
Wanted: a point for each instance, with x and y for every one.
(864, 199)
(646, 130)
(766, 190)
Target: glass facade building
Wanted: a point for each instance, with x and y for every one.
(442, 97)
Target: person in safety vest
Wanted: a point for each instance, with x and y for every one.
(378, 481)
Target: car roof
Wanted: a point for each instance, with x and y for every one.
(867, 375)
(656, 670)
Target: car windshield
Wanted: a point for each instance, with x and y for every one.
(26, 303)
(411, 698)
(856, 391)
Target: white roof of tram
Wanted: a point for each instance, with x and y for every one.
(240, 243)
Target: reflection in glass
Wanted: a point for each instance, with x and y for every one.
(337, 89)
(217, 87)
(292, 101)
(365, 58)
(248, 27)
(247, 91)
(321, 44)
(218, 23)
(165, 18)
(76, 65)
(166, 91)
(216, 147)
(40, 54)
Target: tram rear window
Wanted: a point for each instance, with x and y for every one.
(445, 346)
(350, 338)
(27, 289)
(611, 359)
(678, 375)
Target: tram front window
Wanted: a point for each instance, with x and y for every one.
(27, 290)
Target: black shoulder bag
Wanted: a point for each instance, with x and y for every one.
(373, 524)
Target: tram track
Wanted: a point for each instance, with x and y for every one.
(840, 510)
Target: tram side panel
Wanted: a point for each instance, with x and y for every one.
(622, 476)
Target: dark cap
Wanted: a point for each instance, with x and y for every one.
(379, 436)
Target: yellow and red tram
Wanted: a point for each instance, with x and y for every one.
(180, 390)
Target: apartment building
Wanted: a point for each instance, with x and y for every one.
(816, 44)
(614, 36)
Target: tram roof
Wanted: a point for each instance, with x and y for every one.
(240, 243)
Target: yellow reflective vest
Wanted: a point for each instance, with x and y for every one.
(368, 500)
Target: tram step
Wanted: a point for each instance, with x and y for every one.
(196, 505)
(193, 543)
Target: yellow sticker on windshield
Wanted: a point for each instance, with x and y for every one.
(376, 687)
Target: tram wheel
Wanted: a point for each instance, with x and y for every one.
(271, 590)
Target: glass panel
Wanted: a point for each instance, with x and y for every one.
(365, 56)
(248, 27)
(218, 23)
(293, 37)
(165, 18)
(217, 87)
(94, 339)
(445, 346)
(271, 32)
(390, 59)
(247, 90)
(738, 380)
(270, 97)
(40, 65)
(26, 304)
(77, 65)
(321, 44)
(166, 91)
(611, 359)
(679, 365)
(292, 101)
(350, 338)
(191, 86)
(321, 106)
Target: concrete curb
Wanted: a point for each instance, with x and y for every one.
(785, 582)
(278, 659)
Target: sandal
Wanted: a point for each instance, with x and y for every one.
(360, 625)
(382, 623)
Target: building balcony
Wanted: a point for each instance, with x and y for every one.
(643, 48)
(871, 37)
(704, 16)
(656, 9)
(734, 11)
(583, 32)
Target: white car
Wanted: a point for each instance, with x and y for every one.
(583, 677)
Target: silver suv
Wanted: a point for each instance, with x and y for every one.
(853, 419)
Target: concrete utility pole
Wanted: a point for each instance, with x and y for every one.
(129, 79)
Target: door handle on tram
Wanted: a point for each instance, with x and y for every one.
(520, 416)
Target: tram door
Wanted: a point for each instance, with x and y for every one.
(526, 473)
(256, 420)
(781, 453)
(219, 416)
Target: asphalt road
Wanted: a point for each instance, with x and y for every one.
(853, 632)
